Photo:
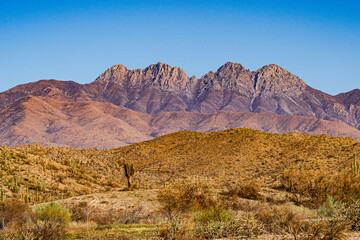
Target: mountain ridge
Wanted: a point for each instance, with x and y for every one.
(84, 124)
(160, 88)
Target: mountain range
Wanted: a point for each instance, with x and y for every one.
(124, 106)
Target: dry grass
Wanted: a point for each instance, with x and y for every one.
(312, 187)
(219, 159)
(253, 174)
(248, 190)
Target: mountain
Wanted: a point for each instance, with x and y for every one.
(124, 106)
(161, 88)
(105, 125)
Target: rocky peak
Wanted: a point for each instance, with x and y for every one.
(276, 80)
(233, 76)
(161, 70)
(156, 75)
(115, 73)
(230, 66)
(165, 77)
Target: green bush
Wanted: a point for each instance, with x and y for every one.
(327, 209)
(53, 220)
(213, 214)
(348, 212)
(53, 212)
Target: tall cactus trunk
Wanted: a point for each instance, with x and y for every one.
(130, 184)
(2, 194)
(129, 173)
(355, 166)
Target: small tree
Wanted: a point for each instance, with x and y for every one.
(129, 173)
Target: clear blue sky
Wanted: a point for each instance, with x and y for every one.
(77, 40)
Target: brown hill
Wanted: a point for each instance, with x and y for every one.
(105, 125)
(218, 158)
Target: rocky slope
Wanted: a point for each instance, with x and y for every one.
(105, 125)
(160, 88)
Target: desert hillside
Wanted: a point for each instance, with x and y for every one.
(220, 158)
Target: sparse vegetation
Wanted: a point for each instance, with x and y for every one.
(312, 187)
(188, 185)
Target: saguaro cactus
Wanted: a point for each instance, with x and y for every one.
(355, 166)
(2, 193)
(14, 183)
(129, 173)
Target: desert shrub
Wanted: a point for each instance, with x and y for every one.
(15, 213)
(79, 211)
(351, 212)
(316, 185)
(249, 190)
(100, 235)
(348, 213)
(53, 212)
(219, 223)
(53, 218)
(184, 197)
(117, 216)
(8, 235)
(323, 230)
(276, 218)
(293, 222)
(82, 212)
(213, 214)
(177, 228)
(280, 218)
(174, 231)
(178, 200)
(23, 235)
(328, 208)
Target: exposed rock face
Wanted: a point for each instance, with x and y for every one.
(162, 88)
(158, 87)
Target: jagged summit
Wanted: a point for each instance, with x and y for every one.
(231, 65)
(163, 67)
(276, 80)
(230, 76)
(271, 67)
